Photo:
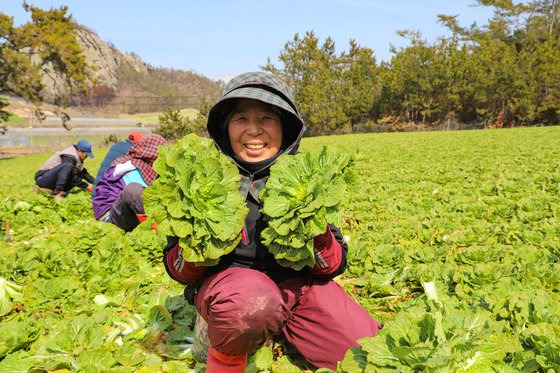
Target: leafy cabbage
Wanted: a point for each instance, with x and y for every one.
(436, 335)
(303, 194)
(9, 291)
(18, 334)
(197, 199)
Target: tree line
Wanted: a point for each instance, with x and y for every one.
(504, 73)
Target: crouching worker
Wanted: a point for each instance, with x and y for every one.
(118, 194)
(66, 170)
(117, 150)
(248, 296)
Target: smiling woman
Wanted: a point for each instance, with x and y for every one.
(248, 295)
(255, 130)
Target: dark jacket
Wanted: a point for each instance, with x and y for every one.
(68, 155)
(117, 150)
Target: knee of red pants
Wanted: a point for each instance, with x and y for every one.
(242, 307)
(326, 323)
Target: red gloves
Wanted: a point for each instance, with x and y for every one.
(179, 269)
(142, 218)
(328, 253)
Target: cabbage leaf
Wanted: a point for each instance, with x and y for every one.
(197, 199)
(303, 194)
(9, 291)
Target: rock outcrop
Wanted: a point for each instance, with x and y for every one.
(127, 78)
(104, 57)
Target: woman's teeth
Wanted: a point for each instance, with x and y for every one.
(254, 146)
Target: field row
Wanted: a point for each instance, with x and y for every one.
(454, 246)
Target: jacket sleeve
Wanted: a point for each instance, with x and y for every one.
(177, 268)
(86, 175)
(330, 253)
(76, 175)
(77, 179)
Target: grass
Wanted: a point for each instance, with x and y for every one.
(153, 118)
(69, 139)
(50, 144)
(16, 120)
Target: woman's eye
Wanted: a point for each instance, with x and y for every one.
(238, 119)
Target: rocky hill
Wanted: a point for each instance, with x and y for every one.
(106, 58)
(125, 83)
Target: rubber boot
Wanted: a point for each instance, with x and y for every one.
(222, 363)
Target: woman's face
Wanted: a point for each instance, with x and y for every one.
(255, 131)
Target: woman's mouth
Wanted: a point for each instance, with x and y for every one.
(255, 146)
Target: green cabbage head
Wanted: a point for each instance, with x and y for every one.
(303, 194)
(197, 199)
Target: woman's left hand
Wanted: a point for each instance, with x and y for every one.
(328, 253)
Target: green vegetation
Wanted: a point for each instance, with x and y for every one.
(16, 120)
(153, 118)
(303, 194)
(505, 73)
(454, 245)
(72, 138)
(174, 125)
(197, 199)
(51, 36)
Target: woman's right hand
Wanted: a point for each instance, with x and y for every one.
(179, 269)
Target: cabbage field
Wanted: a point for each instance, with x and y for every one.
(454, 245)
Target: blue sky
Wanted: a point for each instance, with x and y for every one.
(220, 39)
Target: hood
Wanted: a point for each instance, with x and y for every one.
(264, 87)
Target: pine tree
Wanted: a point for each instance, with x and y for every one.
(50, 36)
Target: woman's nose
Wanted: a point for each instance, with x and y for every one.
(254, 126)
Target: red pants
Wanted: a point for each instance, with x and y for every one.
(243, 307)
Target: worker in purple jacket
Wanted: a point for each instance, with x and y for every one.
(117, 150)
(118, 194)
(248, 296)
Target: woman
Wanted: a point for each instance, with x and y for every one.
(248, 296)
(118, 194)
